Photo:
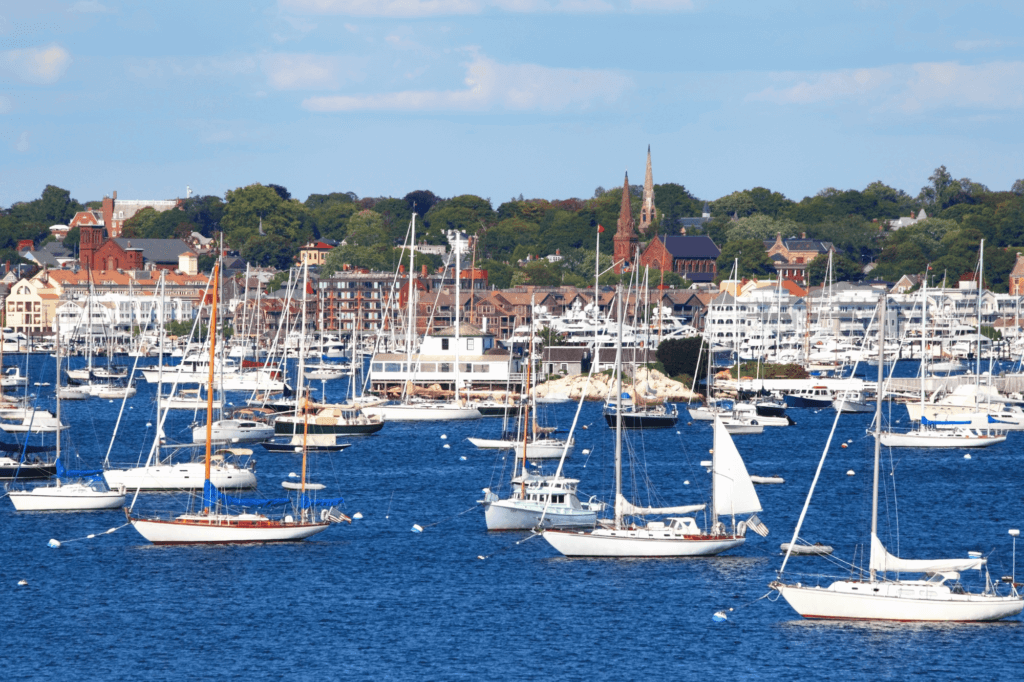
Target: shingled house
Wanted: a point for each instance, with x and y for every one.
(792, 256)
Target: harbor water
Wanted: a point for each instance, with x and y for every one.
(375, 601)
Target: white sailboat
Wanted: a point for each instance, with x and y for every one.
(678, 536)
(413, 409)
(881, 597)
(217, 523)
(231, 468)
(81, 494)
(927, 434)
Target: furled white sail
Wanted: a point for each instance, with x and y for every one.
(734, 492)
(629, 509)
(882, 561)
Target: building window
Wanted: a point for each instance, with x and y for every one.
(469, 344)
(444, 345)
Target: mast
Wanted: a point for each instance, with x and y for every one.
(878, 431)
(529, 399)
(209, 384)
(597, 276)
(303, 396)
(410, 330)
(977, 359)
(924, 331)
(58, 386)
(618, 417)
(458, 304)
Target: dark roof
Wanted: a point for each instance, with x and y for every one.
(565, 354)
(681, 246)
(700, 276)
(155, 250)
(801, 245)
(48, 253)
(778, 257)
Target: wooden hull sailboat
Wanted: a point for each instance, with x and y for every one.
(221, 529)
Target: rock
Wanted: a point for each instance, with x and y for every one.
(601, 385)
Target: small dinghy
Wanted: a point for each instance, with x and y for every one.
(764, 480)
(817, 549)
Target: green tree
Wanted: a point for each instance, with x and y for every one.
(762, 227)
(753, 260)
(366, 228)
(56, 205)
(247, 206)
(272, 250)
(680, 356)
(843, 269)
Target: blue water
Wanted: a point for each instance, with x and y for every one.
(374, 601)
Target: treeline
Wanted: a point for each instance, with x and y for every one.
(268, 226)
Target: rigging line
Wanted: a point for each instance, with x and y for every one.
(57, 543)
(453, 516)
(533, 534)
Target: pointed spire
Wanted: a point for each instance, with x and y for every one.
(625, 225)
(647, 210)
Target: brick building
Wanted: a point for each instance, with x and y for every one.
(693, 257)
(625, 241)
(792, 256)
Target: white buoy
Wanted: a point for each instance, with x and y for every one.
(850, 441)
(711, 451)
(444, 436)
(461, 459)
(720, 616)
(679, 433)
(90, 537)
(357, 515)
(148, 424)
(53, 543)
(586, 452)
(584, 427)
(850, 472)
(293, 475)
(22, 583)
(481, 557)
(686, 483)
(447, 447)
(417, 528)
(967, 456)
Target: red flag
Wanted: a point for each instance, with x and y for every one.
(600, 229)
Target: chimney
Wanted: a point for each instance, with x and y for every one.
(115, 195)
(423, 271)
(683, 231)
(803, 235)
(401, 269)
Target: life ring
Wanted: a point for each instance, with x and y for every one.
(753, 422)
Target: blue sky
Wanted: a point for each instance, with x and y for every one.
(544, 98)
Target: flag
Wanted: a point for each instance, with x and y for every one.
(754, 524)
(600, 228)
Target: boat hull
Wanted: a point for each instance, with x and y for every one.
(423, 413)
(27, 472)
(223, 531)
(847, 600)
(508, 515)
(637, 544)
(74, 497)
(643, 421)
(297, 428)
(940, 440)
(186, 476)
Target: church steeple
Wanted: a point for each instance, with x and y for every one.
(625, 240)
(647, 210)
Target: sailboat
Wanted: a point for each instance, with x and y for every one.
(929, 433)
(216, 523)
(81, 494)
(883, 598)
(416, 409)
(733, 494)
(230, 468)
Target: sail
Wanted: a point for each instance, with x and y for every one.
(628, 509)
(884, 562)
(734, 492)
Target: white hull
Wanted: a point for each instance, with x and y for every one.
(526, 515)
(543, 449)
(704, 414)
(223, 529)
(552, 399)
(67, 497)
(852, 406)
(938, 439)
(188, 404)
(740, 429)
(185, 476)
(423, 412)
(909, 601)
(640, 543)
(231, 431)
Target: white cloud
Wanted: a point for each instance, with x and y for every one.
(907, 88)
(36, 64)
(490, 86)
(89, 7)
(426, 8)
(22, 145)
(310, 71)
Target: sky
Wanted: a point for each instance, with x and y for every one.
(544, 98)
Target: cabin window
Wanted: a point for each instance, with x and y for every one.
(444, 367)
(444, 344)
(392, 367)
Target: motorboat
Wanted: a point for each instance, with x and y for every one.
(852, 402)
(342, 420)
(86, 495)
(234, 431)
(538, 501)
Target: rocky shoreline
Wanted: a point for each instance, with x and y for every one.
(651, 382)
